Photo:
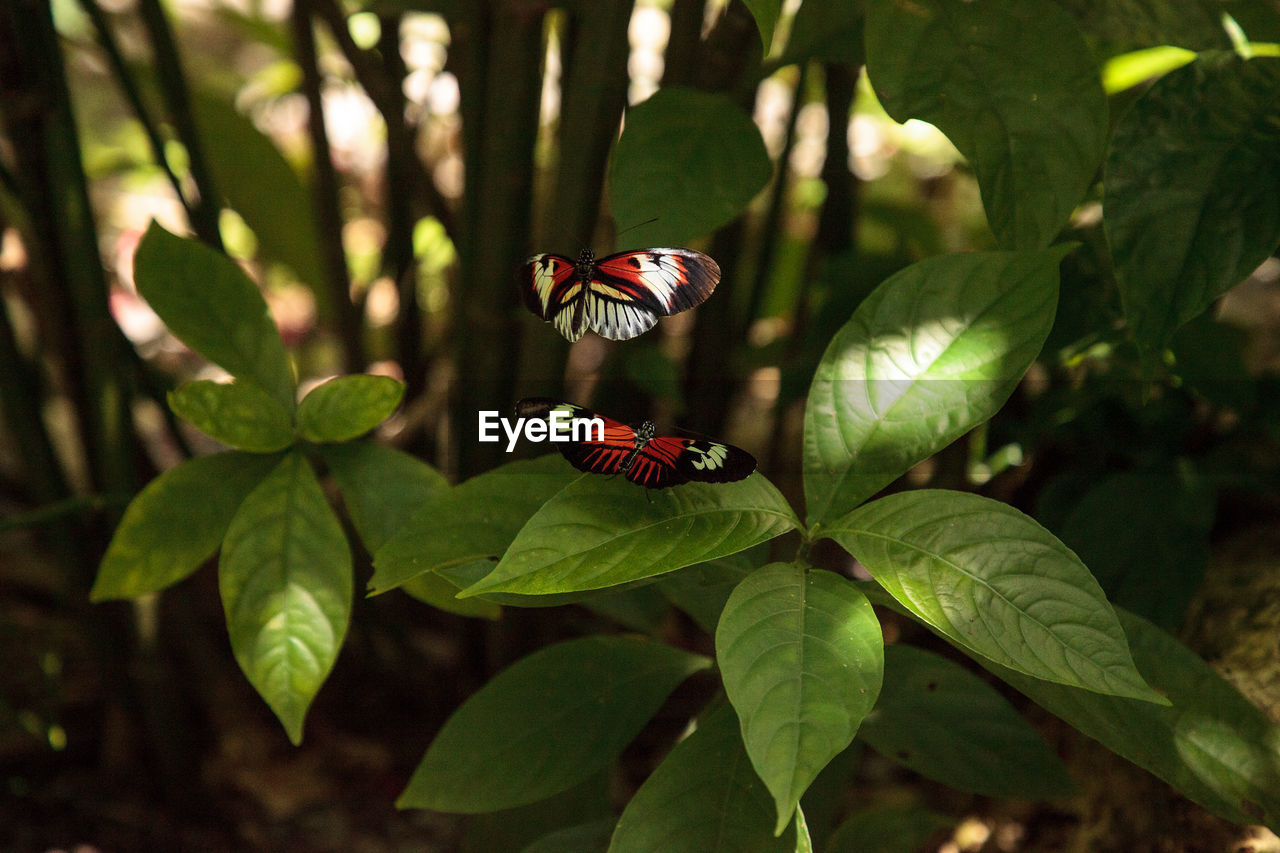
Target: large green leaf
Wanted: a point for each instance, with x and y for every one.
(584, 838)
(381, 486)
(703, 798)
(887, 829)
(601, 532)
(285, 577)
(995, 582)
(473, 522)
(347, 407)
(1193, 190)
(701, 590)
(546, 723)
(1145, 537)
(1117, 26)
(802, 656)
(831, 31)
(934, 351)
(945, 723)
(691, 159)
(1012, 84)
(259, 183)
(1212, 744)
(766, 14)
(211, 305)
(239, 414)
(176, 523)
(432, 589)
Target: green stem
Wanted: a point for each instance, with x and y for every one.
(501, 99)
(173, 86)
(325, 195)
(593, 94)
(401, 183)
(107, 41)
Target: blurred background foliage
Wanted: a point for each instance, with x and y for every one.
(382, 167)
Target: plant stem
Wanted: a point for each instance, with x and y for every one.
(502, 80)
(173, 86)
(107, 41)
(325, 194)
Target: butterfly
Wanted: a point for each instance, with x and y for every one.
(618, 296)
(641, 455)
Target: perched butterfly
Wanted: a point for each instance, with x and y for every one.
(649, 460)
(619, 296)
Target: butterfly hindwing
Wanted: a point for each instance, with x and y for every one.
(700, 460)
(550, 288)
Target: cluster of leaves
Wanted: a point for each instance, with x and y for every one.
(1190, 189)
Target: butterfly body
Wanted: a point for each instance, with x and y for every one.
(618, 296)
(641, 455)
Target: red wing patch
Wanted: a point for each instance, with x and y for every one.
(619, 296)
(655, 462)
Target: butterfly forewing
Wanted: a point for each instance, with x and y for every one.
(595, 454)
(654, 462)
(619, 296)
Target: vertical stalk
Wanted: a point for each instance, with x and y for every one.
(499, 190)
(173, 86)
(325, 194)
(593, 95)
(771, 229)
(401, 183)
(120, 69)
(732, 50)
(685, 42)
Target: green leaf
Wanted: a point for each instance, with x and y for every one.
(996, 583)
(240, 414)
(584, 838)
(601, 532)
(546, 723)
(802, 656)
(691, 159)
(434, 590)
(259, 183)
(934, 351)
(1117, 26)
(702, 590)
(827, 31)
(474, 521)
(950, 726)
(513, 829)
(347, 407)
(381, 486)
(1145, 536)
(1012, 84)
(1211, 744)
(1192, 200)
(766, 14)
(703, 798)
(211, 305)
(285, 577)
(639, 607)
(176, 523)
(887, 829)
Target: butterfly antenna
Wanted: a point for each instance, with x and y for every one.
(633, 227)
(694, 433)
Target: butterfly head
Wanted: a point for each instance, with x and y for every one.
(645, 432)
(586, 263)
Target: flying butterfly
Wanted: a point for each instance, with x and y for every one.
(618, 296)
(640, 454)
